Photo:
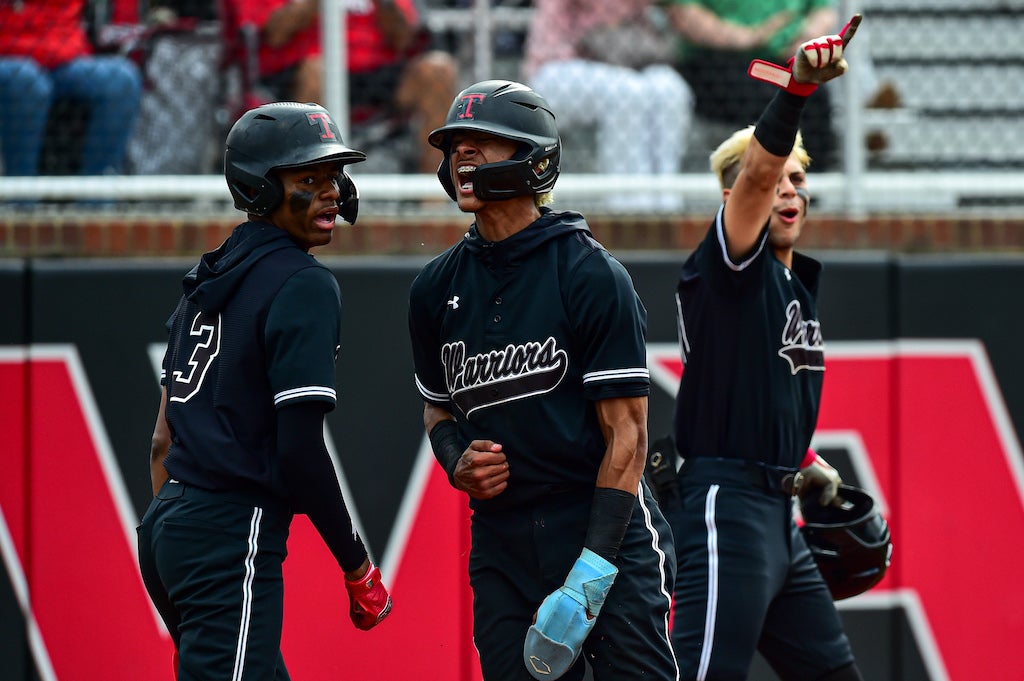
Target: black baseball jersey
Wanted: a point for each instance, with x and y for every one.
(753, 354)
(258, 327)
(538, 324)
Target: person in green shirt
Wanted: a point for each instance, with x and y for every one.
(719, 38)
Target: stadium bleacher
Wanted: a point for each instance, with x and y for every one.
(954, 143)
(959, 69)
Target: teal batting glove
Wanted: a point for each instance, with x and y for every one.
(567, 616)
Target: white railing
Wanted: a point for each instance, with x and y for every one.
(878, 192)
(854, 191)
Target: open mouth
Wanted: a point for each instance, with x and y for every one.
(465, 174)
(325, 219)
(789, 214)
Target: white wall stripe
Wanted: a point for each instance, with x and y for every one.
(68, 354)
(406, 515)
(13, 564)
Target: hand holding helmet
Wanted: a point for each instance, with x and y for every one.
(816, 474)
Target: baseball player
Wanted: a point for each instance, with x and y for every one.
(747, 405)
(528, 341)
(247, 378)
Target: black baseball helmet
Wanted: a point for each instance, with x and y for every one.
(850, 542)
(284, 135)
(512, 111)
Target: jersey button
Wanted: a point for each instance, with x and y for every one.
(497, 301)
(497, 318)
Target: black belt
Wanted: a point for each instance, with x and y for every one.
(777, 479)
(246, 497)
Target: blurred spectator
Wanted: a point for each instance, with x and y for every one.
(391, 69)
(180, 46)
(608, 64)
(720, 37)
(46, 57)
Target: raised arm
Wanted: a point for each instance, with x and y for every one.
(749, 203)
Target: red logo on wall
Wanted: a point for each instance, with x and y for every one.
(925, 420)
(67, 537)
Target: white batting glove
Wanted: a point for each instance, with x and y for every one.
(817, 61)
(816, 474)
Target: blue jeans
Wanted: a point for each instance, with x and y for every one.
(111, 87)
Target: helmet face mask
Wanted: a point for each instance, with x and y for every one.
(512, 111)
(851, 543)
(284, 135)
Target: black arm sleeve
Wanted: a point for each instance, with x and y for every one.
(313, 486)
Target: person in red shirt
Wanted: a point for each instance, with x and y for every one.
(45, 55)
(390, 68)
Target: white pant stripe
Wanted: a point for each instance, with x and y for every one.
(250, 575)
(656, 545)
(712, 608)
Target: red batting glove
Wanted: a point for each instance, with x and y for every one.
(369, 601)
(817, 61)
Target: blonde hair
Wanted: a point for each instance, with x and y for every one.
(725, 160)
(548, 196)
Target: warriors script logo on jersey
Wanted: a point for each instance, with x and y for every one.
(498, 376)
(802, 344)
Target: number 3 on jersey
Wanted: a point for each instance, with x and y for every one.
(205, 333)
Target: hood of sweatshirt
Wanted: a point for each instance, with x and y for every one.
(212, 282)
(502, 256)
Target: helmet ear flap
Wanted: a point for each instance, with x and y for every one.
(348, 198)
(253, 193)
(444, 174)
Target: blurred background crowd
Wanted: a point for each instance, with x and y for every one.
(641, 87)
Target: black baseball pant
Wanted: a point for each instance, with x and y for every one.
(747, 582)
(521, 555)
(211, 563)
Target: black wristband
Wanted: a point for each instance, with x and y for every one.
(776, 129)
(444, 440)
(609, 517)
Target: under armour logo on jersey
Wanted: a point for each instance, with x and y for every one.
(454, 302)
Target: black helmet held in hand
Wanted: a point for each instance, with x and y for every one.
(284, 135)
(850, 542)
(512, 111)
